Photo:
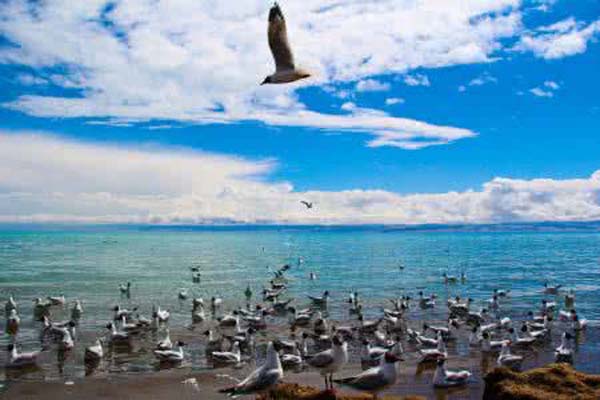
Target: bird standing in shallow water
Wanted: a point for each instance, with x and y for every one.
(285, 69)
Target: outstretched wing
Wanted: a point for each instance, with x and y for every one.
(278, 40)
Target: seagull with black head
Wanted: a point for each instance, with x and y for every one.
(285, 68)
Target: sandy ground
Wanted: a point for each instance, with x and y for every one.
(169, 384)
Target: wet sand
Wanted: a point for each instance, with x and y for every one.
(169, 385)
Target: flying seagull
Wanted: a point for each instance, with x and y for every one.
(307, 204)
(285, 70)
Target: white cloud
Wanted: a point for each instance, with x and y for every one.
(31, 80)
(45, 179)
(552, 85)
(417, 80)
(201, 61)
(547, 90)
(539, 92)
(481, 80)
(562, 39)
(544, 5)
(348, 106)
(390, 101)
(372, 85)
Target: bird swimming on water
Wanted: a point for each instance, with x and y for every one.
(285, 68)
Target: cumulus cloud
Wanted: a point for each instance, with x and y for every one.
(481, 80)
(562, 39)
(31, 80)
(390, 101)
(417, 80)
(201, 61)
(372, 85)
(50, 179)
(546, 90)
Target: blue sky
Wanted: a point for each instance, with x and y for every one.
(520, 102)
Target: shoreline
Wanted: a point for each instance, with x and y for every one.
(559, 380)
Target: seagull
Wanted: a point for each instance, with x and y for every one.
(444, 378)
(307, 204)
(125, 289)
(320, 301)
(57, 300)
(19, 360)
(549, 289)
(118, 337)
(248, 293)
(10, 305)
(94, 352)
(228, 357)
(330, 361)
(375, 379)
(371, 356)
(564, 352)
(12, 323)
(293, 359)
(165, 343)
(76, 311)
(171, 356)
(285, 70)
(262, 379)
(198, 314)
(507, 359)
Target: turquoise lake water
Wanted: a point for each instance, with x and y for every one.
(89, 264)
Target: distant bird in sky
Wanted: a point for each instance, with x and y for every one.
(285, 69)
(307, 204)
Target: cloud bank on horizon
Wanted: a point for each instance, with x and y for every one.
(201, 61)
(50, 179)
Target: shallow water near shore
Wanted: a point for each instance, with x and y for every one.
(89, 264)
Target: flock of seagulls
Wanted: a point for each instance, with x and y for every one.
(313, 340)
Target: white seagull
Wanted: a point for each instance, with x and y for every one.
(444, 378)
(94, 353)
(262, 379)
(376, 379)
(330, 361)
(20, 360)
